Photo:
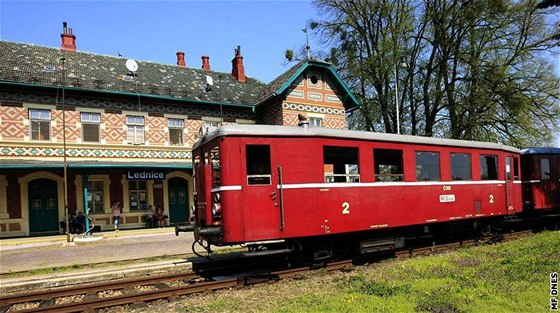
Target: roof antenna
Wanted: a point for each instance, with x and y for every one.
(307, 47)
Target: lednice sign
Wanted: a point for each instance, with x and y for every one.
(144, 175)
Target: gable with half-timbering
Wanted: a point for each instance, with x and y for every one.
(312, 89)
(318, 98)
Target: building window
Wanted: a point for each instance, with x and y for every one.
(135, 125)
(176, 127)
(314, 80)
(40, 121)
(341, 164)
(388, 165)
(138, 195)
(95, 196)
(316, 122)
(258, 165)
(461, 166)
(545, 169)
(427, 166)
(90, 126)
(488, 167)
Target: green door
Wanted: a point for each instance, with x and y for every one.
(43, 207)
(178, 200)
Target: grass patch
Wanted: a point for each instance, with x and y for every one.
(508, 277)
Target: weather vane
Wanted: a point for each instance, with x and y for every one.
(307, 47)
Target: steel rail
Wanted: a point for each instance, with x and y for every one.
(165, 292)
(92, 288)
(171, 292)
(412, 252)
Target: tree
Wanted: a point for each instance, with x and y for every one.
(474, 69)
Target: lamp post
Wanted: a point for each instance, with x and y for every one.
(397, 107)
(221, 108)
(65, 164)
(397, 100)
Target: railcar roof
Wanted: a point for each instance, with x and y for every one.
(541, 150)
(292, 131)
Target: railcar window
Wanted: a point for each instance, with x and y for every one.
(508, 168)
(258, 165)
(427, 166)
(515, 169)
(545, 169)
(461, 166)
(488, 167)
(341, 164)
(388, 165)
(214, 160)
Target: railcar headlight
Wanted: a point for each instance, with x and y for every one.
(216, 208)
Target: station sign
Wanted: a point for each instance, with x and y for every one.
(145, 175)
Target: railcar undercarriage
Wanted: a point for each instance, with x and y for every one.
(318, 250)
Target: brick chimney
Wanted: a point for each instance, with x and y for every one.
(68, 38)
(206, 63)
(237, 68)
(181, 59)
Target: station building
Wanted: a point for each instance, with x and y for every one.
(88, 124)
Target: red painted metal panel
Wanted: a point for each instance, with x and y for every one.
(313, 207)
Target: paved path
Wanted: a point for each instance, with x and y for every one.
(24, 254)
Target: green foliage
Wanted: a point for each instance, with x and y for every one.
(477, 70)
(438, 301)
(289, 55)
(509, 277)
(373, 288)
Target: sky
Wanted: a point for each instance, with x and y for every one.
(151, 30)
(156, 30)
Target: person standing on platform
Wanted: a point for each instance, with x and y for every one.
(80, 223)
(116, 208)
(160, 217)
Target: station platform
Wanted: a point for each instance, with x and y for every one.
(39, 262)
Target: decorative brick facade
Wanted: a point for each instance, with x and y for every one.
(12, 126)
(97, 85)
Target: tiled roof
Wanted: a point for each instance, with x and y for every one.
(31, 64)
(279, 81)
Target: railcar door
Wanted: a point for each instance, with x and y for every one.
(548, 182)
(201, 172)
(260, 192)
(510, 193)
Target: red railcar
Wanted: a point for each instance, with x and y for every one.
(258, 183)
(541, 178)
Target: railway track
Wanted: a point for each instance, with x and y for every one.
(90, 298)
(413, 252)
(146, 289)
